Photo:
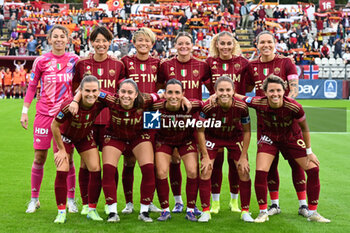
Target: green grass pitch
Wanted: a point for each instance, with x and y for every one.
(16, 155)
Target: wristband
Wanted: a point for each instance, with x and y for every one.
(308, 151)
(24, 110)
(75, 101)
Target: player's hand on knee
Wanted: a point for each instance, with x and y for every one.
(243, 165)
(313, 159)
(60, 158)
(206, 165)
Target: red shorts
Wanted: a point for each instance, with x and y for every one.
(183, 149)
(152, 134)
(292, 149)
(42, 132)
(23, 84)
(81, 146)
(99, 134)
(122, 145)
(234, 148)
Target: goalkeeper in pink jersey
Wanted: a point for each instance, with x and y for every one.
(54, 71)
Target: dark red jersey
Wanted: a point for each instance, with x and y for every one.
(192, 74)
(279, 124)
(108, 72)
(280, 66)
(231, 120)
(125, 124)
(78, 126)
(173, 129)
(236, 68)
(144, 73)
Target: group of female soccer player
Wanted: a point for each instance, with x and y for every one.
(106, 114)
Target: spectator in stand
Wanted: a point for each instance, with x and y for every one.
(307, 46)
(346, 57)
(12, 24)
(269, 11)
(127, 8)
(325, 51)
(293, 39)
(32, 43)
(284, 13)
(28, 33)
(12, 50)
(159, 46)
(14, 11)
(182, 19)
(245, 10)
(22, 50)
(276, 13)
(281, 47)
(338, 43)
(14, 34)
(262, 13)
(340, 31)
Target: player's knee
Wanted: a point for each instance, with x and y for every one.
(243, 176)
(162, 173)
(192, 173)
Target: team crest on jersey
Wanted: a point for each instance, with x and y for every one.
(183, 73)
(172, 68)
(277, 70)
(214, 67)
(172, 73)
(255, 68)
(88, 67)
(143, 67)
(195, 73)
(237, 66)
(266, 71)
(154, 68)
(100, 71)
(111, 72)
(225, 67)
(131, 63)
(214, 62)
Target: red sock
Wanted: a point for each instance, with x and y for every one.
(204, 193)
(298, 176)
(163, 192)
(128, 182)
(84, 185)
(216, 176)
(36, 178)
(245, 191)
(175, 178)
(313, 187)
(71, 181)
(233, 176)
(147, 183)
(94, 188)
(191, 192)
(273, 179)
(261, 189)
(61, 188)
(108, 183)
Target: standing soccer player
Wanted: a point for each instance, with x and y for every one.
(143, 69)
(192, 72)
(270, 63)
(234, 134)
(76, 129)
(285, 129)
(54, 70)
(226, 60)
(108, 70)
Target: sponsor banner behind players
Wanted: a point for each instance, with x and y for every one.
(320, 89)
